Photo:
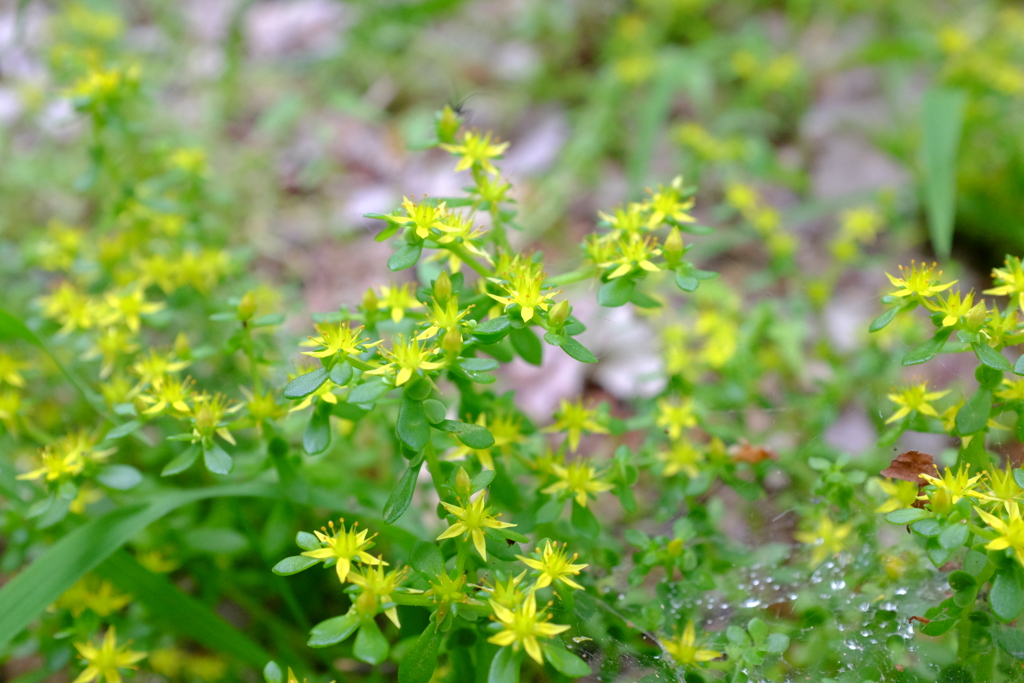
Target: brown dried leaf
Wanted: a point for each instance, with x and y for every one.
(747, 453)
(910, 466)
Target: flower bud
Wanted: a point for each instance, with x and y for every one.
(181, 347)
(247, 307)
(976, 316)
(463, 484)
(452, 341)
(370, 301)
(674, 243)
(447, 125)
(442, 288)
(675, 547)
(559, 313)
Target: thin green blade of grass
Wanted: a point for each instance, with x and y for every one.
(30, 592)
(180, 612)
(942, 117)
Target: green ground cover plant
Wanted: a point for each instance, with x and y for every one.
(203, 481)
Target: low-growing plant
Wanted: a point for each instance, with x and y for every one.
(171, 440)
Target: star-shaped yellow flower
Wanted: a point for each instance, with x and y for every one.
(472, 520)
(523, 626)
(105, 660)
(344, 546)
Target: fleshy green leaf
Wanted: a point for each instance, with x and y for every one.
(119, 477)
(427, 560)
(954, 536)
(122, 430)
(420, 660)
(334, 630)
(990, 357)
(925, 352)
(577, 351)
(294, 564)
(615, 293)
(434, 410)
(942, 116)
(583, 521)
(369, 391)
(527, 345)
(974, 414)
(883, 320)
(906, 516)
(217, 460)
(504, 667)
(1007, 594)
(401, 496)
(412, 427)
(491, 331)
(182, 462)
(272, 673)
(341, 373)
(565, 662)
(406, 257)
(371, 646)
(304, 385)
(317, 435)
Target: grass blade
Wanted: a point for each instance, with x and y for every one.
(942, 117)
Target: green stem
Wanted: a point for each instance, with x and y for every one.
(460, 560)
(427, 601)
(250, 353)
(434, 467)
(468, 259)
(578, 275)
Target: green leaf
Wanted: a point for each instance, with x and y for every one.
(412, 428)
(307, 541)
(122, 430)
(758, 630)
(341, 373)
(1018, 367)
(401, 496)
(906, 516)
(119, 477)
(482, 480)
(334, 630)
(406, 257)
(925, 352)
(427, 560)
(182, 462)
(565, 662)
(81, 550)
(369, 391)
(434, 410)
(615, 293)
(317, 435)
(578, 351)
(294, 564)
(472, 435)
(637, 538)
(420, 660)
(304, 385)
(167, 606)
(942, 116)
(583, 521)
(1018, 476)
(1007, 594)
(504, 667)
(492, 331)
(881, 321)
(217, 460)
(960, 580)
(777, 643)
(527, 345)
(974, 414)
(272, 673)
(954, 536)
(990, 357)
(371, 646)
(216, 540)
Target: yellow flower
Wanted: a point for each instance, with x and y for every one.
(1001, 488)
(409, 358)
(922, 281)
(523, 286)
(575, 419)
(337, 338)
(861, 224)
(399, 299)
(952, 306)
(344, 546)
(1010, 280)
(472, 520)
(1010, 530)
(523, 625)
(380, 585)
(444, 317)
(827, 538)
(168, 392)
(902, 494)
(477, 150)
(675, 415)
(577, 479)
(554, 565)
(633, 252)
(915, 397)
(423, 217)
(10, 370)
(127, 308)
(682, 456)
(106, 659)
(955, 485)
(667, 204)
(208, 413)
(684, 650)
(506, 593)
